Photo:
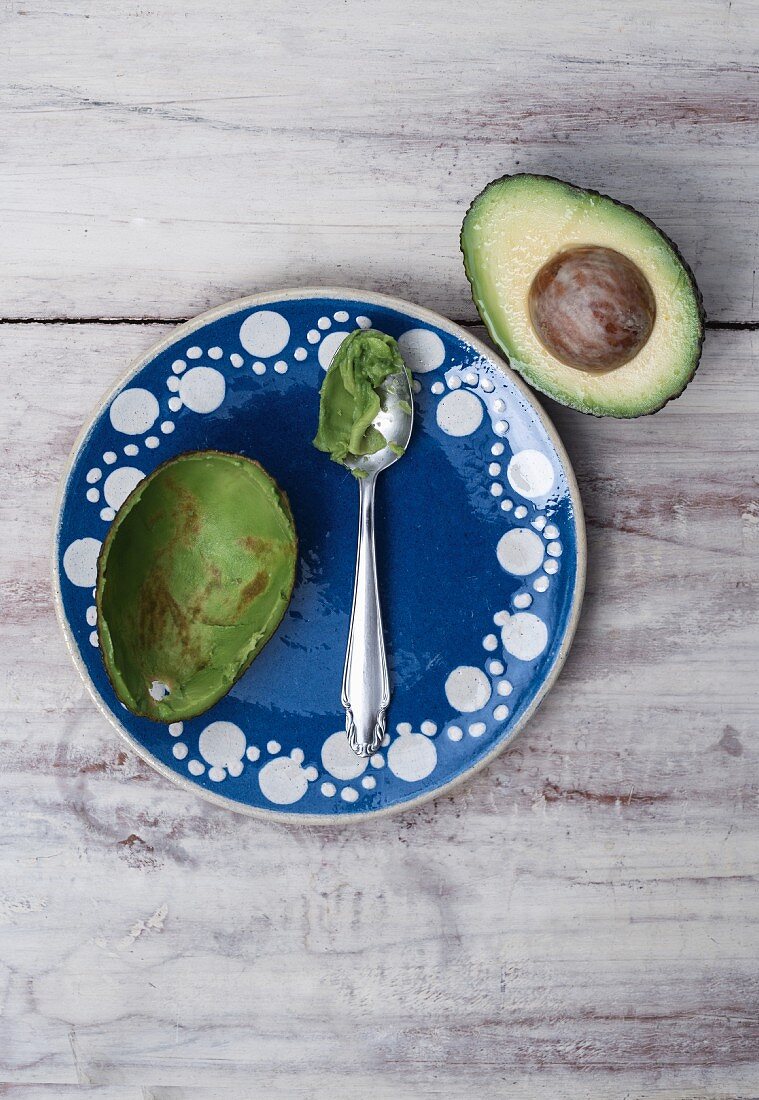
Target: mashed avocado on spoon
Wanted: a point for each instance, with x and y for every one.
(350, 399)
(366, 415)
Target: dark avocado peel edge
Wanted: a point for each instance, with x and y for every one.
(492, 329)
(152, 712)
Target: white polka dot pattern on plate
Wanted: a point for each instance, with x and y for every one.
(222, 745)
(412, 757)
(134, 411)
(119, 484)
(422, 350)
(339, 759)
(265, 333)
(329, 346)
(524, 636)
(531, 474)
(467, 689)
(460, 413)
(520, 552)
(202, 389)
(283, 781)
(80, 562)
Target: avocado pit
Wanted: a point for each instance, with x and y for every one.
(592, 308)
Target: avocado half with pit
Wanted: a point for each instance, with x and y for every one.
(194, 577)
(591, 303)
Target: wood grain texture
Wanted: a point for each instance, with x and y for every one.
(578, 921)
(581, 919)
(155, 160)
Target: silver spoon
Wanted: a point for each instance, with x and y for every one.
(366, 690)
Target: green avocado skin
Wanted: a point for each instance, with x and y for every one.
(623, 406)
(349, 400)
(194, 577)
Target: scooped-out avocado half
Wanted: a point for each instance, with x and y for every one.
(591, 303)
(194, 577)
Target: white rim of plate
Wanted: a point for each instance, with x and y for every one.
(419, 313)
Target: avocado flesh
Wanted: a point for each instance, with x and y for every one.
(515, 226)
(349, 401)
(193, 579)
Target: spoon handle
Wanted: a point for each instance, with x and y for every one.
(366, 691)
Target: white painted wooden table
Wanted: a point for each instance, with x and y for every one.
(582, 920)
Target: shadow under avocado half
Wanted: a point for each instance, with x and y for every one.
(193, 579)
(589, 300)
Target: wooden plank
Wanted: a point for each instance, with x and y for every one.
(154, 161)
(579, 920)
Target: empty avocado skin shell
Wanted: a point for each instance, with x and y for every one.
(194, 577)
(539, 375)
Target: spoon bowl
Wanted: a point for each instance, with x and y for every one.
(395, 421)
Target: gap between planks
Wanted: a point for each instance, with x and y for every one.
(711, 326)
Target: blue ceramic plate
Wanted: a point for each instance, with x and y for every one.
(480, 542)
